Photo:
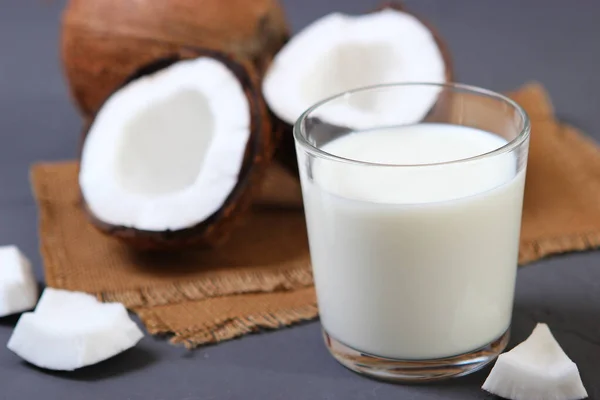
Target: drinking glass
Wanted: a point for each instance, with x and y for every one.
(413, 195)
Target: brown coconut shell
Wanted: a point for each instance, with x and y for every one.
(216, 229)
(286, 153)
(104, 41)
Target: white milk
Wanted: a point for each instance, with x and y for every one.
(415, 262)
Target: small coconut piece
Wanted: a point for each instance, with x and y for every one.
(340, 52)
(174, 157)
(103, 42)
(18, 287)
(69, 330)
(536, 369)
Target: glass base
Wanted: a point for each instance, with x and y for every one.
(414, 371)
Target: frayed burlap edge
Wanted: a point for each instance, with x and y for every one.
(229, 328)
(243, 283)
(539, 249)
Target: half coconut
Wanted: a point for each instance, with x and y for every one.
(341, 52)
(174, 156)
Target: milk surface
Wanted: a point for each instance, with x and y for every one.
(415, 262)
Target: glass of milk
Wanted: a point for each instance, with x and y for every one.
(413, 195)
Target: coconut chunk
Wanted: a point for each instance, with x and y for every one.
(18, 287)
(70, 330)
(536, 369)
(340, 52)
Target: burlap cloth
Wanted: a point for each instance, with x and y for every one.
(262, 278)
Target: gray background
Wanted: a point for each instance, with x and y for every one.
(499, 45)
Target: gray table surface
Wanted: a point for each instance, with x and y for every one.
(499, 45)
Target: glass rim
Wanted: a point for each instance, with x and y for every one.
(300, 134)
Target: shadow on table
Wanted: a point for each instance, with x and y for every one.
(131, 360)
(10, 320)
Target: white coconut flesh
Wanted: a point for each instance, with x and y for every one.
(165, 151)
(339, 52)
(69, 330)
(18, 287)
(536, 369)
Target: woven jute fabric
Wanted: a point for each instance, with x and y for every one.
(261, 278)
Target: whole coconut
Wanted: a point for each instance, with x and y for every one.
(104, 41)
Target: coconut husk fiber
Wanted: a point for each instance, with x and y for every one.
(261, 279)
(103, 41)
